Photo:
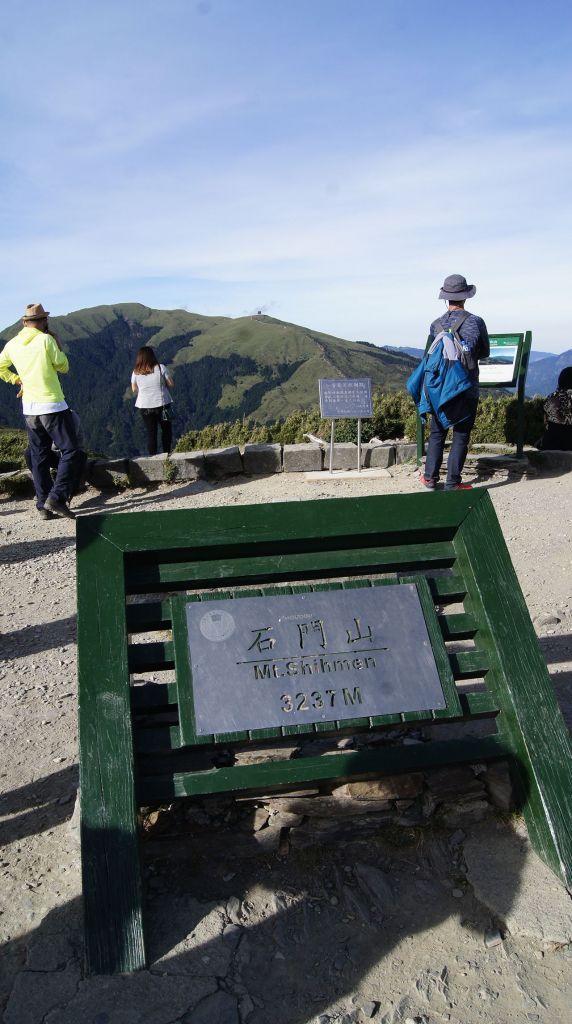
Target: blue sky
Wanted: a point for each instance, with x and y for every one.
(328, 161)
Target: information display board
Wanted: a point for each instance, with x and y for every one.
(501, 367)
(342, 398)
(322, 656)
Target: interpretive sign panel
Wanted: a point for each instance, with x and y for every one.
(345, 399)
(502, 364)
(322, 656)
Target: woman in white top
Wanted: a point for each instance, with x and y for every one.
(151, 383)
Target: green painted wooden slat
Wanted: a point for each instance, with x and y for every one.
(446, 589)
(196, 529)
(531, 720)
(458, 627)
(112, 887)
(380, 760)
(289, 566)
(469, 664)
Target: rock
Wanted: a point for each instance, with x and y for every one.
(511, 880)
(260, 818)
(499, 785)
(221, 462)
(463, 811)
(550, 461)
(107, 474)
(268, 839)
(262, 458)
(392, 787)
(328, 806)
(378, 457)
(285, 819)
(147, 469)
(187, 465)
(246, 1007)
(234, 909)
(493, 938)
(302, 458)
(218, 1008)
(375, 884)
(344, 456)
(451, 782)
(40, 995)
(405, 453)
(548, 619)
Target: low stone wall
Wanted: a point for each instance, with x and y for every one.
(250, 459)
(263, 459)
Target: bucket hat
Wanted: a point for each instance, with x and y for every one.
(35, 311)
(455, 288)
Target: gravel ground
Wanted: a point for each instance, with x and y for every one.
(464, 927)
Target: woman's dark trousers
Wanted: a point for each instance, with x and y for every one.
(459, 446)
(152, 419)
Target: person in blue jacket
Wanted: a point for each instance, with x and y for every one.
(473, 335)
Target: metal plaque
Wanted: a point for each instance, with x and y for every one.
(344, 398)
(322, 656)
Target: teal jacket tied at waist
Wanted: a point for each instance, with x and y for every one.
(438, 386)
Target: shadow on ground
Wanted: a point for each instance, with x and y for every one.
(276, 939)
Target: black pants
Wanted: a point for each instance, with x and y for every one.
(459, 447)
(153, 418)
(57, 428)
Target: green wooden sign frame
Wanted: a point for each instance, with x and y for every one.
(518, 382)
(131, 565)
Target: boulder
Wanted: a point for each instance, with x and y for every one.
(221, 462)
(303, 458)
(149, 469)
(262, 458)
(378, 456)
(105, 474)
(187, 465)
(405, 453)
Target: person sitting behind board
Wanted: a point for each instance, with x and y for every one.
(557, 434)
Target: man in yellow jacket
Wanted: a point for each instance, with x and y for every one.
(38, 359)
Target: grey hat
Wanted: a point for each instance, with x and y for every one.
(455, 288)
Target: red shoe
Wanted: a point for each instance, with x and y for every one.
(458, 487)
(427, 482)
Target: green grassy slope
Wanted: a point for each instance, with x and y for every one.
(223, 369)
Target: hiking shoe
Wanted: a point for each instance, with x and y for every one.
(44, 514)
(458, 487)
(427, 481)
(58, 508)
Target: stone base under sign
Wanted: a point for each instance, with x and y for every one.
(451, 796)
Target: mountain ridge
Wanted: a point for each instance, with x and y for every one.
(224, 369)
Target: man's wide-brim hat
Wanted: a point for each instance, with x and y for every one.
(455, 288)
(35, 311)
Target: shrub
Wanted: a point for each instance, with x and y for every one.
(394, 416)
(13, 444)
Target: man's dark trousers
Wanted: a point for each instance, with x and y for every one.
(459, 446)
(53, 428)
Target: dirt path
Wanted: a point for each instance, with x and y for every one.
(363, 929)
